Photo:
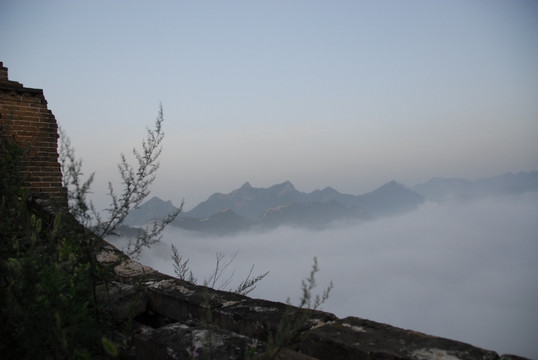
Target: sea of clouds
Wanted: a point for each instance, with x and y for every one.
(463, 270)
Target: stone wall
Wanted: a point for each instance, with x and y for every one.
(25, 118)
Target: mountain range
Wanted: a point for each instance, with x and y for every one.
(447, 189)
(266, 208)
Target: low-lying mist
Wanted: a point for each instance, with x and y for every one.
(467, 270)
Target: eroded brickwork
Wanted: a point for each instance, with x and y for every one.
(25, 118)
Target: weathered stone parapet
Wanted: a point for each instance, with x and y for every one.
(175, 316)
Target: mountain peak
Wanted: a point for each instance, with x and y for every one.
(155, 200)
(392, 187)
(246, 186)
(392, 184)
(154, 208)
(286, 185)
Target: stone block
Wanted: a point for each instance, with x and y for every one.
(180, 341)
(123, 301)
(355, 338)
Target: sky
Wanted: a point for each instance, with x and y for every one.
(462, 270)
(348, 94)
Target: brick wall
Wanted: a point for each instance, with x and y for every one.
(25, 118)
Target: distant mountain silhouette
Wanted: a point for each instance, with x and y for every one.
(282, 204)
(391, 198)
(154, 208)
(248, 201)
(253, 203)
(314, 215)
(441, 189)
(265, 208)
(329, 194)
(221, 223)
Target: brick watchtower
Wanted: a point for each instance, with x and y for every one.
(25, 118)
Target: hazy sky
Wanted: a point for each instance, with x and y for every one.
(349, 94)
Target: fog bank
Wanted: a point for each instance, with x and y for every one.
(466, 271)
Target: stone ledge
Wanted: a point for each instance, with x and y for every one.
(173, 313)
(355, 338)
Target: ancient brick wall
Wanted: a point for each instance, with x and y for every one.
(25, 118)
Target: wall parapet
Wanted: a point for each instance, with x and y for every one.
(172, 317)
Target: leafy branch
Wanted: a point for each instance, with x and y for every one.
(135, 180)
(307, 286)
(77, 189)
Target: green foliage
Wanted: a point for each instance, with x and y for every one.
(48, 310)
(109, 347)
